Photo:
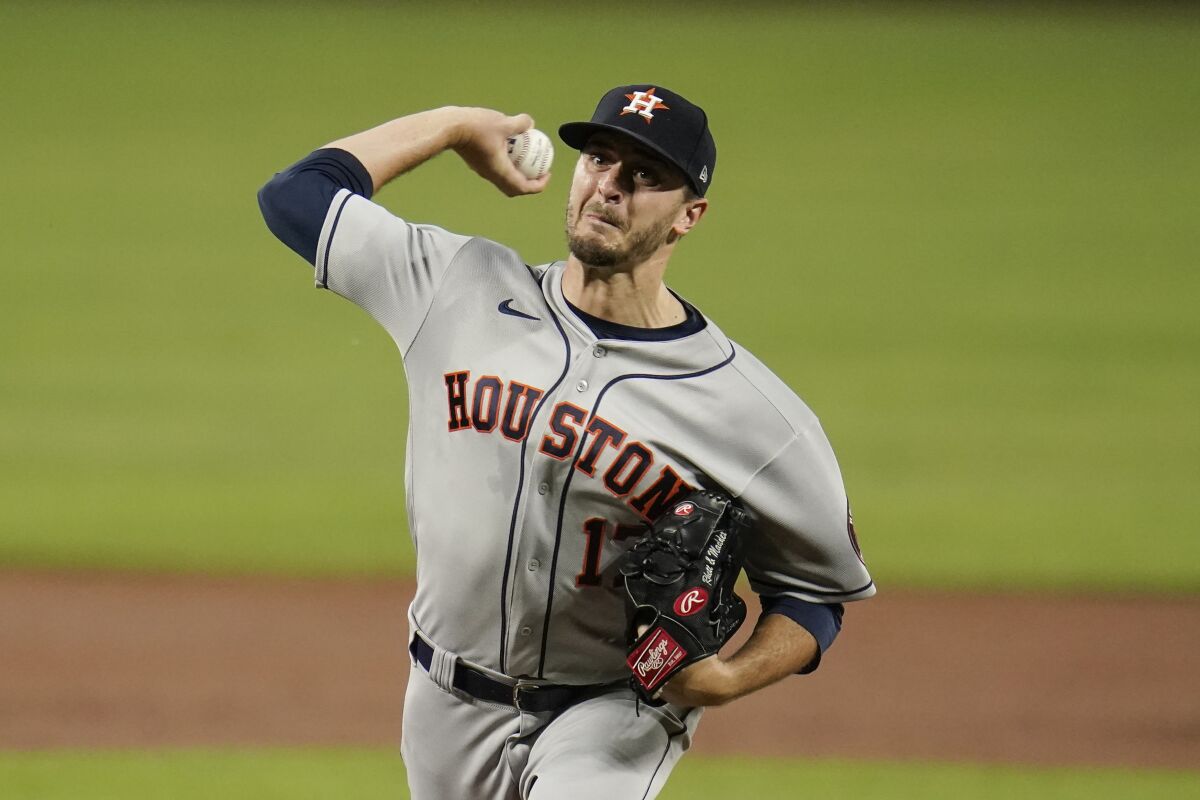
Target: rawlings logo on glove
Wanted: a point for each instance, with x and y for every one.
(655, 658)
(690, 601)
(679, 577)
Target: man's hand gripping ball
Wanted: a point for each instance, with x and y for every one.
(679, 577)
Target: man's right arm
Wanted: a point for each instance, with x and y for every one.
(294, 203)
(478, 135)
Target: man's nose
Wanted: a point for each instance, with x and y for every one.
(610, 185)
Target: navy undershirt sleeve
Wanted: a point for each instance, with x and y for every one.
(822, 620)
(295, 201)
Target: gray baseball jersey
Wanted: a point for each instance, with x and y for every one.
(534, 449)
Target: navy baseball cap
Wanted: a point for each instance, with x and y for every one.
(663, 121)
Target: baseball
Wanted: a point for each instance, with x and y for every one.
(531, 152)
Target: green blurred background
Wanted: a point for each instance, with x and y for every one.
(968, 238)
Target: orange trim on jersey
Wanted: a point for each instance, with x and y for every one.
(587, 464)
(462, 420)
(645, 466)
(476, 396)
(562, 445)
(595, 530)
(533, 394)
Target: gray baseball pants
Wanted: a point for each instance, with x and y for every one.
(456, 747)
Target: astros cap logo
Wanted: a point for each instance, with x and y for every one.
(644, 104)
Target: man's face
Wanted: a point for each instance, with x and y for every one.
(625, 203)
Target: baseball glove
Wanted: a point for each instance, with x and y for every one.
(679, 577)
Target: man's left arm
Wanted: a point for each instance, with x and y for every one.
(803, 559)
(789, 639)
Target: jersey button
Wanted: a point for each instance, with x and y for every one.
(526, 630)
(543, 488)
(534, 564)
(599, 352)
(581, 386)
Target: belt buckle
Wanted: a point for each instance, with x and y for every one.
(522, 684)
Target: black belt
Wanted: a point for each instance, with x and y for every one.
(521, 695)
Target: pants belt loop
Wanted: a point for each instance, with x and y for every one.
(441, 667)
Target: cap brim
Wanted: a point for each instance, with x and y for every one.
(576, 134)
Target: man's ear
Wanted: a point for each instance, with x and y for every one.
(689, 215)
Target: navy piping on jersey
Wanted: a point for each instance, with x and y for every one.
(583, 440)
(512, 525)
(781, 588)
(329, 243)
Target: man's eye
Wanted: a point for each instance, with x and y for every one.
(647, 176)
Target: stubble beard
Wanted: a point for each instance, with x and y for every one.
(596, 252)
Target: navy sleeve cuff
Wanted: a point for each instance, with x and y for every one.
(295, 201)
(341, 167)
(822, 620)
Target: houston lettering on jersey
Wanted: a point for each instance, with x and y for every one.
(490, 403)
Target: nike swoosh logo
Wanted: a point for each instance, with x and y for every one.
(506, 308)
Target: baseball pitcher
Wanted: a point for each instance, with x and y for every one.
(591, 462)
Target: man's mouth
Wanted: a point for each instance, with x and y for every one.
(602, 218)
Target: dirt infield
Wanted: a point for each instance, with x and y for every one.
(96, 660)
